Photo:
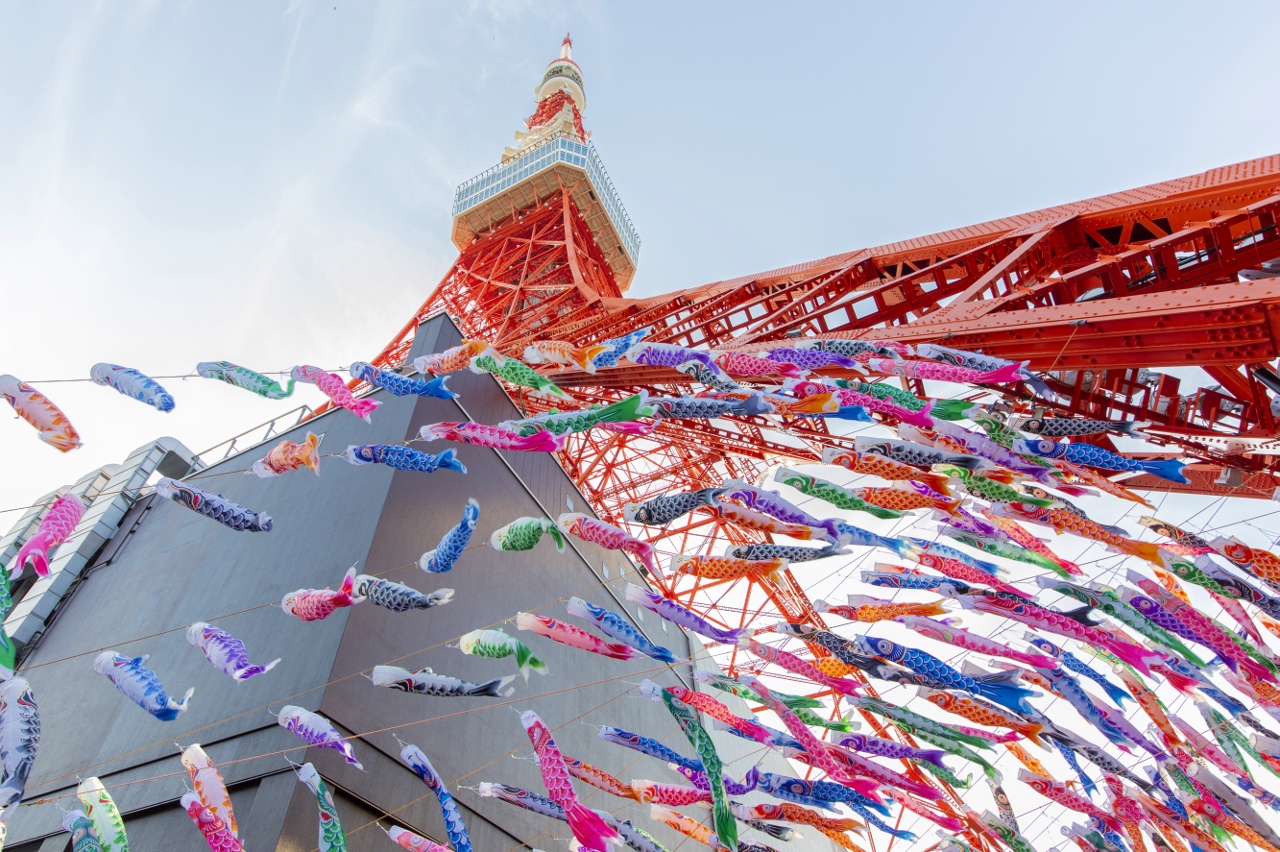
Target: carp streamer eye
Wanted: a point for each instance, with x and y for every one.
(1236, 552)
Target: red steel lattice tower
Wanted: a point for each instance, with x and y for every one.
(546, 247)
(1099, 296)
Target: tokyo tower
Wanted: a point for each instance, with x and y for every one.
(1102, 296)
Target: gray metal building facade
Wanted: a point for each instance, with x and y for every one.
(159, 567)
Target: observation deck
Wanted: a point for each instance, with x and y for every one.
(541, 170)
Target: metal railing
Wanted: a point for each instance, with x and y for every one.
(254, 435)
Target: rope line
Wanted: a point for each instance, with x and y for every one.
(192, 477)
(192, 375)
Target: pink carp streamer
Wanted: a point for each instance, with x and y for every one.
(574, 637)
(336, 389)
(56, 525)
(406, 839)
(711, 707)
(481, 435)
(795, 665)
(214, 830)
(949, 634)
(1058, 792)
(318, 604)
(939, 372)
(608, 536)
(921, 809)
(1055, 622)
(587, 825)
(817, 751)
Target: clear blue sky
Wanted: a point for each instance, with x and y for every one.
(270, 183)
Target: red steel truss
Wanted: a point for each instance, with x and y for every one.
(524, 276)
(1099, 296)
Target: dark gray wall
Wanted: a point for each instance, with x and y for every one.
(179, 567)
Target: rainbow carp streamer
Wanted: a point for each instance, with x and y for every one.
(35, 408)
